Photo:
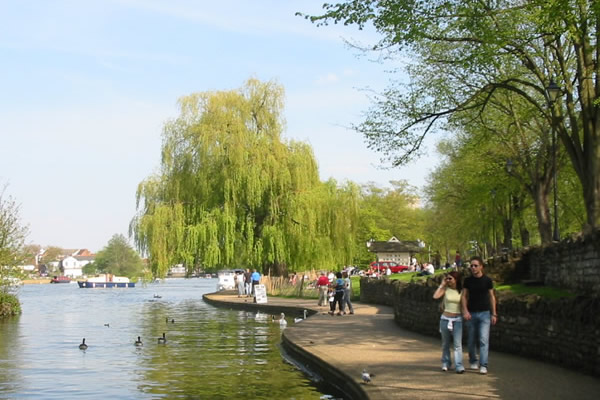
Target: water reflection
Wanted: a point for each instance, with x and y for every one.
(210, 353)
(10, 379)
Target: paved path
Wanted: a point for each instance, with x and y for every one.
(407, 365)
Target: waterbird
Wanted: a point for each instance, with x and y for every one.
(138, 342)
(366, 377)
(282, 321)
(296, 320)
(162, 340)
(171, 320)
(156, 296)
(83, 346)
(107, 325)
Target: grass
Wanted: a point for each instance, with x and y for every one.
(542, 291)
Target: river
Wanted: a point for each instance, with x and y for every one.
(210, 353)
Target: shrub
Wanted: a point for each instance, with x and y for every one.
(9, 304)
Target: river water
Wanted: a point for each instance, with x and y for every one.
(211, 353)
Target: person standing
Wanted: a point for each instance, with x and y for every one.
(248, 282)
(479, 310)
(451, 321)
(239, 280)
(322, 285)
(458, 259)
(338, 287)
(255, 280)
(347, 294)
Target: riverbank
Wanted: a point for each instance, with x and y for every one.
(35, 281)
(406, 365)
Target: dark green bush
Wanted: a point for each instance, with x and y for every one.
(9, 304)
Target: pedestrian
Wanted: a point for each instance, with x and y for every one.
(347, 294)
(248, 282)
(331, 277)
(322, 286)
(479, 310)
(255, 280)
(458, 259)
(451, 321)
(338, 287)
(239, 280)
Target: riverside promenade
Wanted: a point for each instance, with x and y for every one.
(406, 365)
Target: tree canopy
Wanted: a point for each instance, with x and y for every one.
(468, 55)
(232, 193)
(118, 258)
(12, 237)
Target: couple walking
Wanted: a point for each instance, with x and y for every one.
(475, 302)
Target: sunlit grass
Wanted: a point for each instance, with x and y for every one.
(542, 291)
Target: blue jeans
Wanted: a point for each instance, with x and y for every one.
(454, 336)
(479, 330)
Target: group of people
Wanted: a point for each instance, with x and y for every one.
(246, 281)
(474, 302)
(335, 289)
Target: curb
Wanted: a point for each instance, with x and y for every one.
(333, 377)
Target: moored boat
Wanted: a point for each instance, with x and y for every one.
(60, 279)
(106, 281)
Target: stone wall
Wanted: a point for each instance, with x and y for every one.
(562, 331)
(573, 264)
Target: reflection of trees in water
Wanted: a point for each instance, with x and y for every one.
(10, 349)
(218, 354)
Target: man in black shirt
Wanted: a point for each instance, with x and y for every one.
(479, 309)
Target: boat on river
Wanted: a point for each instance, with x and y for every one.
(106, 281)
(227, 279)
(60, 279)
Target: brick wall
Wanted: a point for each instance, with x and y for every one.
(573, 264)
(562, 331)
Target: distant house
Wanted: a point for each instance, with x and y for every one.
(70, 267)
(395, 250)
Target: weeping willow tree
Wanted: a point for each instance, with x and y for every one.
(231, 193)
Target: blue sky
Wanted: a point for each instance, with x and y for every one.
(86, 87)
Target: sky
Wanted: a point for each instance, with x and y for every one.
(86, 87)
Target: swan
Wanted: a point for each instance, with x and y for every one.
(83, 346)
(138, 342)
(282, 321)
(296, 320)
(162, 340)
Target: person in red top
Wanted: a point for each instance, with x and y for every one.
(322, 285)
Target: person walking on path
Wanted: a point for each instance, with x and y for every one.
(451, 321)
(322, 285)
(347, 294)
(479, 310)
(255, 280)
(338, 286)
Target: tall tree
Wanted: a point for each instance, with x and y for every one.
(231, 192)
(516, 46)
(119, 258)
(12, 237)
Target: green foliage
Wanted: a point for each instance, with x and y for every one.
(483, 59)
(12, 237)
(387, 212)
(9, 304)
(231, 192)
(119, 258)
(90, 269)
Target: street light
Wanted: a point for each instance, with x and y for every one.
(554, 92)
(493, 193)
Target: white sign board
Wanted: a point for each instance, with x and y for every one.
(260, 294)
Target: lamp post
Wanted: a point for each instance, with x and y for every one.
(493, 193)
(553, 93)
